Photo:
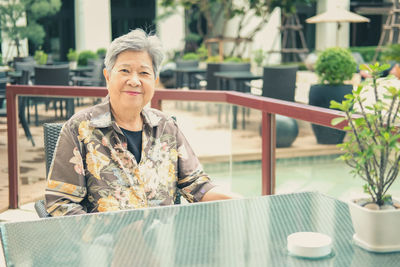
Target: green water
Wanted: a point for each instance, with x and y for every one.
(325, 175)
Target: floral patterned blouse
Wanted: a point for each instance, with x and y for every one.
(93, 171)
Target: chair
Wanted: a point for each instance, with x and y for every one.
(53, 75)
(279, 82)
(22, 100)
(3, 82)
(94, 77)
(182, 80)
(51, 132)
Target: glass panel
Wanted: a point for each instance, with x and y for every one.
(309, 166)
(32, 173)
(207, 127)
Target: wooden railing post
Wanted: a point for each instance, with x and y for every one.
(12, 136)
(268, 143)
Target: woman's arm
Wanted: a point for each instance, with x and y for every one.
(217, 193)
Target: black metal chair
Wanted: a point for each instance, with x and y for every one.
(94, 77)
(3, 82)
(22, 102)
(51, 132)
(280, 82)
(53, 75)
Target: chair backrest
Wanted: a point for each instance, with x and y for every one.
(219, 67)
(280, 82)
(51, 132)
(52, 75)
(3, 82)
(187, 64)
(235, 67)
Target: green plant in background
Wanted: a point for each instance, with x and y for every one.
(40, 57)
(12, 11)
(367, 52)
(1, 60)
(213, 59)
(372, 150)
(72, 55)
(202, 52)
(335, 65)
(259, 56)
(233, 59)
(101, 52)
(84, 56)
(391, 53)
(190, 56)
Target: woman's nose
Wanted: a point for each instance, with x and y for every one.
(134, 80)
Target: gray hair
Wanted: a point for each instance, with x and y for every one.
(135, 40)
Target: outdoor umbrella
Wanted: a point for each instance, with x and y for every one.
(337, 15)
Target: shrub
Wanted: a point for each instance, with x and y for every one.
(84, 56)
(190, 56)
(40, 57)
(72, 55)
(335, 65)
(213, 59)
(233, 59)
(101, 52)
(202, 52)
(391, 53)
(367, 52)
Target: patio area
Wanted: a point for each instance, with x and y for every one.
(202, 129)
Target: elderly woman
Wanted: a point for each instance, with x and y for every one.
(120, 154)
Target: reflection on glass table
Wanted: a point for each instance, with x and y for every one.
(244, 232)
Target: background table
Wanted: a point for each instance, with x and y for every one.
(246, 232)
(186, 76)
(235, 81)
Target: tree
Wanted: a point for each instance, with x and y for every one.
(217, 14)
(11, 11)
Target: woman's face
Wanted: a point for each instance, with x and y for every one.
(131, 81)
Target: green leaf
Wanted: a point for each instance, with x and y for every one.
(336, 121)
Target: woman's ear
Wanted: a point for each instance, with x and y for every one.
(157, 80)
(105, 73)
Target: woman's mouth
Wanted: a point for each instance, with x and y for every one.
(132, 93)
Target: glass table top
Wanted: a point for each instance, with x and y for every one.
(245, 232)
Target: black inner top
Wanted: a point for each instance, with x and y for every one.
(134, 139)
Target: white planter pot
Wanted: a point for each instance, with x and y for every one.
(376, 230)
(73, 64)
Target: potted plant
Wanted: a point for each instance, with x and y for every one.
(40, 57)
(333, 67)
(72, 57)
(373, 151)
(101, 53)
(84, 56)
(259, 57)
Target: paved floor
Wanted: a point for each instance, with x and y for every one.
(199, 122)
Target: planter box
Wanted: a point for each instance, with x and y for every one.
(320, 95)
(376, 230)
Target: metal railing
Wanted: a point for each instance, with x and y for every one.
(268, 106)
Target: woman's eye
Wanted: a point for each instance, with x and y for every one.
(124, 70)
(144, 73)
